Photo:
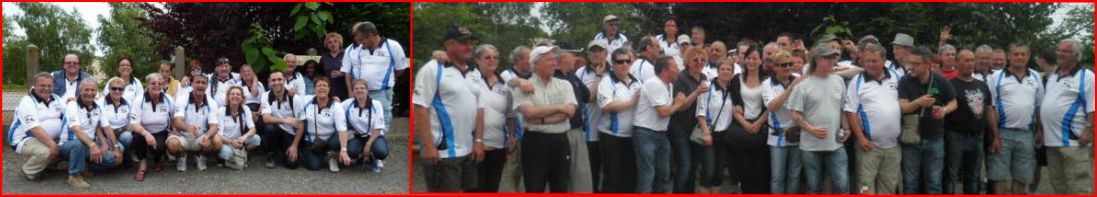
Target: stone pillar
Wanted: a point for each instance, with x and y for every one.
(32, 62)
(180, 63)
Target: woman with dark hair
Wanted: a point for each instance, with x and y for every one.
(310, 73)
(747, 138)
(133, 85)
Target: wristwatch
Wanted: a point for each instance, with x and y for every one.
(479, 140)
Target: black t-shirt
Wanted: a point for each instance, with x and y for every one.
(682, 122)
(971, 102)
(910, 88)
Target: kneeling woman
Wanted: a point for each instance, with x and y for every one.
(151, 116)
(322, 119)
(366, 119)
(237, 130)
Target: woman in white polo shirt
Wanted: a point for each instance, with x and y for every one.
(499, 138)
(115, 116)
(150, 121)
(132, 86)
(366, 123)
(237, 130)
(784, 153)
(253, 89)
(714, 117)
(325, 129)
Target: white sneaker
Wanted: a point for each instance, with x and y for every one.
(333, 165)
(380, 163)
(181, 163)
(201, 159)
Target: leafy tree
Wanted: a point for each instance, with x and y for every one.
(211, 30)
(505, 25)
(56, 32)
(14, 54)
(121, 34)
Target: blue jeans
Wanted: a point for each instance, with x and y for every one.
(385, 97)
(684, 167)
(652, 161)
(378, 150)
(785, 174)
(834, 163)
(959, 169)
(712, 161)
(78, 156)
(317, 151)
(250, 143)
(923, 165)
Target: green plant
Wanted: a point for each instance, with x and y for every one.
(833, 27)
(311, 21)
(259, 53)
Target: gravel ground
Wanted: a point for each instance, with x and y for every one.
(253, 179)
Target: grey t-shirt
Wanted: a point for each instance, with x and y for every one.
(819, 100)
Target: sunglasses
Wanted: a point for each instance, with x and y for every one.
(119, 89)
(787, 65)
(620, 61)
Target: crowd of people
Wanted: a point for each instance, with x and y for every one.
(676, 113)
(334, 111)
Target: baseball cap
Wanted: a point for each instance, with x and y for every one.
(609, 18)
(683, 39)
(537, 52)
(460, 33)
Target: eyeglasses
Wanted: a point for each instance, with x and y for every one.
(787, 65)
(620, 61)
(119, 89)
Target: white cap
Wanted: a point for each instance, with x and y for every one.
(536, 53)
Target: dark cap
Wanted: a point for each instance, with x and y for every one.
(567, 47)
(460, 33)
(223, 60)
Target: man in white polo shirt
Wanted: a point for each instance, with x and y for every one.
(873, 111)
(1067, 114)
(378, 60)
(611, 34)
(219, 82)
(1016, 92)
(37, 126)
(444, 115)
(652, 118)
(644, 67)
(546, 113)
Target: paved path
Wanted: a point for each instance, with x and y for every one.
(254, 179)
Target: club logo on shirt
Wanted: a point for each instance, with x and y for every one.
(162, 108)
(892, 85)
(837, 93)
(29, 118)
(93, 113)
(123, 110)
